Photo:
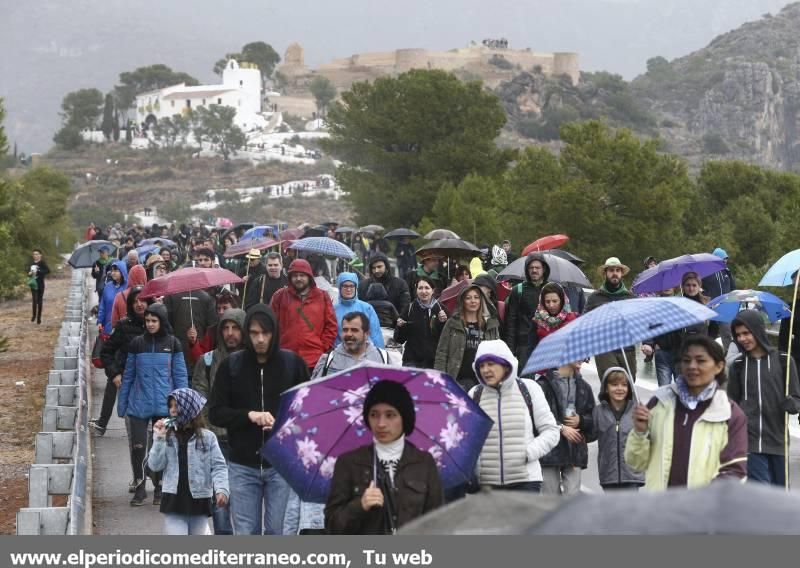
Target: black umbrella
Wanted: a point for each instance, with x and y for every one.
(450, 248)
(441, 234)
(562, 271)
(371, 229)
(318, 231)
(342, 230)
(566, 256)
(488, 512)
(402, 233)
(87, 254)
(724, 507)
(236, 229)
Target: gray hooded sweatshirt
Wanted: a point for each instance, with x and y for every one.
(611, 433)
(758, 386)
(206, 368)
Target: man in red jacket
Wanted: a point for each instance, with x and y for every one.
(305, 315)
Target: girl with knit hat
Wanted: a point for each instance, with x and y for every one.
(381, 486)
(194, 469)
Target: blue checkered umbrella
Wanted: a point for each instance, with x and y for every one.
(614, 326)
(324, 246)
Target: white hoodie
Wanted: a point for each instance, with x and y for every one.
(511, 452)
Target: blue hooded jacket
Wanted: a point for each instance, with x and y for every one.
(110, 290)
(344, 307)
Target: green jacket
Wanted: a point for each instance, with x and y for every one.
(453, 341)
(718, 442)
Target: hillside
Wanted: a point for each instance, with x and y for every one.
(124, 181)
(737, 98)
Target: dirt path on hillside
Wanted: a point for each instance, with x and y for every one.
(28, 359)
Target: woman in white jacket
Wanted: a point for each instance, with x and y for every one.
(524, 428)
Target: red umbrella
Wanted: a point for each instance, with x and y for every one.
(188, 280)
(449, 296)
(291, 234)
(545, 243)
(243, 247)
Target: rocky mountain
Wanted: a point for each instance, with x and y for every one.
(737, 98)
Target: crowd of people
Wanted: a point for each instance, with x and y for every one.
(198, 378)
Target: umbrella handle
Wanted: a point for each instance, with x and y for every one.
(630, 375)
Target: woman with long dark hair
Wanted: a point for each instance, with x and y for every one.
(420, 326)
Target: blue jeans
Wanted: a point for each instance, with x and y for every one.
(222, 515)
(664, 370)
(530, 486)
(175, 524)
(766, 468)
(258, 499)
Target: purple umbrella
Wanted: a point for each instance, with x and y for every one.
(669, 273)
(321, 420)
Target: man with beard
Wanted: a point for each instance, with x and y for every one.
(380, 273)
(263, 287)
(229, 340)
(305, 315)
(521, 306)
(612, 290)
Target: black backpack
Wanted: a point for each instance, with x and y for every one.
(526, 395)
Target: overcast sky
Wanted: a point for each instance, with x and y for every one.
(51, 47)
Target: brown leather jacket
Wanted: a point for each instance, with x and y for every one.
(418, 490)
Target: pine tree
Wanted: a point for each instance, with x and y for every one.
(108, 117)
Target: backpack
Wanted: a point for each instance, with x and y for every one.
(329, 360)
(526, 395)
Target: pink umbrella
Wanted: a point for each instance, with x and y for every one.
(188, 280)
(545, 243)
(243, 247)
(224, 222)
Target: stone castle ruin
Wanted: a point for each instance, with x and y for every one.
(491, 61)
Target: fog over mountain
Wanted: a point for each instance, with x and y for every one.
(51, 47)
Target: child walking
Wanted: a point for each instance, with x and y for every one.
(194, 469)
(612, 422)
(571, 401)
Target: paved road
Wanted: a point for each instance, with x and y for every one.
(645, 385)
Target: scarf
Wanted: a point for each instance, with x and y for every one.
(428, 306)
(389, 455)
(689, 400)
(622, 290)
(547, 322)
(433, 275)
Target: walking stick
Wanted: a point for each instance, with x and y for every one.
(788, 370)
(246, 275)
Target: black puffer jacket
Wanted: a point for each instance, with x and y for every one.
(567, 453)
(115, 349)
(520, 308)
(243, 384)
(396, 288)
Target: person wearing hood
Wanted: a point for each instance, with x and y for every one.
(758, 385)
(612, 290)
(690, 433)
(612, 421)
(379, 300)
(230, 338)
(715, 285)
(430, 264)
(552, 314)
(305, 315)
(380, 273)
(116, 284)
(245, 398)
(420, 327)
(114, 354)
(665, 348)
(389, 482)
(521, 306)
(136, 277)
(263, 287)
(347, 282)
(195, 474)
(472, 323)
(524, 428)
(155, 367)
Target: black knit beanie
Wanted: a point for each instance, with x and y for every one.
(395, 395)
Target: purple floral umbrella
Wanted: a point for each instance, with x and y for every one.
(669, 273)
(321, 420)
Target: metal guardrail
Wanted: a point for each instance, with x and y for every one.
(62, 446)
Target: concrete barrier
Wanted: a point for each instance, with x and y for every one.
(62, 447)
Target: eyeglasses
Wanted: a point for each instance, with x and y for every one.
(348, 285)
